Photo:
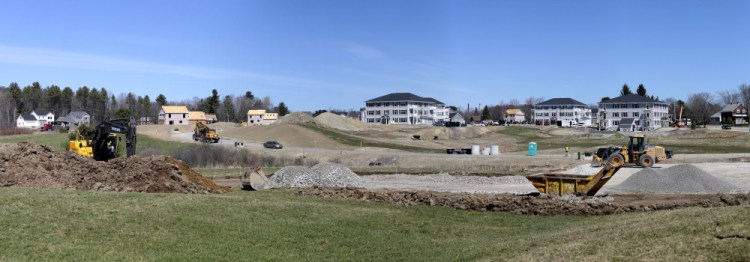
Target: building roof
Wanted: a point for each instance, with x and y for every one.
(256, 112)
(717, 115)
(196, 115)
(404, 97)
(627, 121)
(514, 111)
(631, 98)
(65, 119)
(561, 101)
(211, 116)
(28, 117)
(41, 112)
(730, 108)
(77, 114)
(175, 109)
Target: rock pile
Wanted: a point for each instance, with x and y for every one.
(30, 165)
(687, 179)
(320, 175)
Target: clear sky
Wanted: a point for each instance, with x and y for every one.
(337, 54)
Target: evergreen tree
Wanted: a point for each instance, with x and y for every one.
(213, 102)
(485, 113)
(625, 90)
(606, 98)
(283, 110)
(641, 91)
(161, 100)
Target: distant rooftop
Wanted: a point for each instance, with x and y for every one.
(404, 97)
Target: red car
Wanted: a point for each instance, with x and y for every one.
(46, 127)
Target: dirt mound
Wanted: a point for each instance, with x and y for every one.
(339, 122)
(31, 165)
(531, 205)
(685, 179)
(295, 118)
(323, 175)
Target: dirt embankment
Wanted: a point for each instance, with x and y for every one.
(31, 165)
(534, 205)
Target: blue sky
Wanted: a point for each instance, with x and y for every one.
(336, 54)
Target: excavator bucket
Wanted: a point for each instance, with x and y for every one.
(255, 179)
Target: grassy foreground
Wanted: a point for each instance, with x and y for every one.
(275, 225)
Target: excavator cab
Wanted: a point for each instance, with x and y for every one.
(105, 142)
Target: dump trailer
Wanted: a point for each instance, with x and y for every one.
(566, 184)
(636, 152)
(205, 134)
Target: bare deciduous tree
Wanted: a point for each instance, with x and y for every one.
(729, 97)
(701, 106)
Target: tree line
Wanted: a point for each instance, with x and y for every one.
(100, 104)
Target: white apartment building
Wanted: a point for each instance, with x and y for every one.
(563, 112)
(633, 112)
(404, 109)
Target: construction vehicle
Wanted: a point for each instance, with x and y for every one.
(565, 184)
(205, 134)
(254, 179)
(636, 152)
(103, 146)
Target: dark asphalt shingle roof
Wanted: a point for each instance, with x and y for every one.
(28, 117)
(631, 98)
(627, 121)
(403, 97)
(561, 101)
(41, 112)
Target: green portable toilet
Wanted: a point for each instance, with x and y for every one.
(532, 149)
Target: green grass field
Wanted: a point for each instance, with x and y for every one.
(275, 225)
(59, 141)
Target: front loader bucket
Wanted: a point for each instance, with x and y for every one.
(255, 179)
(596, 163)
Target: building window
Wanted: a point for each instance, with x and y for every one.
(635, 114)
(615, 114)
(624, 114)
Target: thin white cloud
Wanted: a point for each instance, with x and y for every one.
(363, 51)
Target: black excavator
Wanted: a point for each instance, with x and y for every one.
(103, 146)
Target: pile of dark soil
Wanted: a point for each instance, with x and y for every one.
(30, 165)
(533, 205)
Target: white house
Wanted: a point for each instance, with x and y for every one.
(514, 115)
(635, 112)
(43, 116)
(561, 112)
(78, 118)
(260, 117)
(404, 109)
(173, 115)
(27, 121)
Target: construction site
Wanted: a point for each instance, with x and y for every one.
(340, 159)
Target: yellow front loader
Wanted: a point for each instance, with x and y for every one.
(636, 152)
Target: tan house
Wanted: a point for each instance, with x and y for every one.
(211, 118)
(260, 117)
(514, 115)
(173, 115)
(196, 116)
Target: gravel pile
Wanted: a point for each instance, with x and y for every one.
(687, 179)
(584, 169)
(339, 122)
(475, 180)
(321, 175)
(295, 118)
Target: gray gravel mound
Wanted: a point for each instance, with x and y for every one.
(322, 175)
(686, 179)
(475, 180)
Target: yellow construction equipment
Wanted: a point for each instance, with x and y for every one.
(565, 184)
(636, 152)
(103, 146)
(204, 134)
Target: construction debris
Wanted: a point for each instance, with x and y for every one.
(685, 179)
(31, 165)
(322, 175)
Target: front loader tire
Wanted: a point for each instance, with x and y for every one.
(646, 160)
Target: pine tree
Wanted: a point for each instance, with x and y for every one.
(625, 90)
(641, 91)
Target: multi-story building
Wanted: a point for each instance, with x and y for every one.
(404, 109)
(561, 112)
(259, 117)
(633, 112)
(173, 115)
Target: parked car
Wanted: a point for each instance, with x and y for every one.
(272, 145)
(46, 127)
(726, 127)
